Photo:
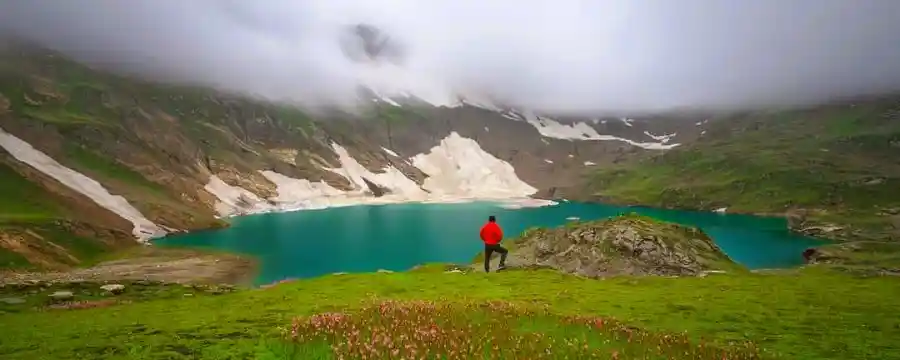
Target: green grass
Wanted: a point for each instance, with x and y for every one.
(106, 168)
(821, 159)
(794, 315)
(24, 200)
(12, 260)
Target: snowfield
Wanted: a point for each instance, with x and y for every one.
(144, 229)
(458, 170)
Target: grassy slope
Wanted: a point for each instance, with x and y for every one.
(819, 159)
(796, 316)
(25, 206)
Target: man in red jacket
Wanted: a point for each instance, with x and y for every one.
(491, 234)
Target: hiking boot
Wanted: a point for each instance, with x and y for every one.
(501, 267)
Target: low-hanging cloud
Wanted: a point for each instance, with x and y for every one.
(552, 55)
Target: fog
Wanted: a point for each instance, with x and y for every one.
(553, 55)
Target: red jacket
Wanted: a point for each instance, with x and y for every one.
(491, 233)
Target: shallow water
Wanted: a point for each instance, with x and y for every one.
(398, 237)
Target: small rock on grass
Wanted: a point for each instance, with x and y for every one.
(62, 296)
(114, 289)
(12, 301)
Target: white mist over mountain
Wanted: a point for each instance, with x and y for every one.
(559, 56)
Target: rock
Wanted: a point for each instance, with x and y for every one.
(12, 301)
(215, 291)
(796, 218)
(383, 271)
(114, 289)
(625, 245)
(62, 296)
(876, 181)
(820, 230)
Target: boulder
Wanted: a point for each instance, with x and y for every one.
(62, 296)
(114, 289)
(624, 245)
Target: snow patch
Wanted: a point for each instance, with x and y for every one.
(571, 156)
(486, 129)
(579, 131)
(234, 200)
(589, 163)
(661, 138)
(720, 210)
(302, 194)
(389, 152)
(548, 161)
(459, 168)
(391, 179)
(458, 171)
(526, 203)
(144, 229)
(628, 122)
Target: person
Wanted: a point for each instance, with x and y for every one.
(492, 235)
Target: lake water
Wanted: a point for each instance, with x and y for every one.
(398, 237)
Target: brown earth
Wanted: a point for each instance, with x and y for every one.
(169, 266)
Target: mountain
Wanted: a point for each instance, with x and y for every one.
(833, 169)
(93, 161)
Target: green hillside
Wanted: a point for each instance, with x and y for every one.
(830, 165)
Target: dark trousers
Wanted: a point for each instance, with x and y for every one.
(490, 250)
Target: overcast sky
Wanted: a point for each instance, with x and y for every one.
(556, 55)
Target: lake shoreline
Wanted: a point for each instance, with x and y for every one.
(796, 219)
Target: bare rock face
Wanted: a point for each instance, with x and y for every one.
(377, 191)
(625, 245)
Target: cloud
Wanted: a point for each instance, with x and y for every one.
(553, 55)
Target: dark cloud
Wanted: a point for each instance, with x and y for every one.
(556, 55)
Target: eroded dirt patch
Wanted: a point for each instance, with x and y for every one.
(162, 265)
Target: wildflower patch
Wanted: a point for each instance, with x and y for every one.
(491, 330)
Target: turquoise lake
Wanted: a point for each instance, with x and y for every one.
(397, 237)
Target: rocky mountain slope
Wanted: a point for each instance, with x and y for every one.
(92, 160)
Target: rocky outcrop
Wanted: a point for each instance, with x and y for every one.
(625, 245)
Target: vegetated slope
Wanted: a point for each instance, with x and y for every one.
(793, 315)
(834, 170)
(624, 245)
(164, 149)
